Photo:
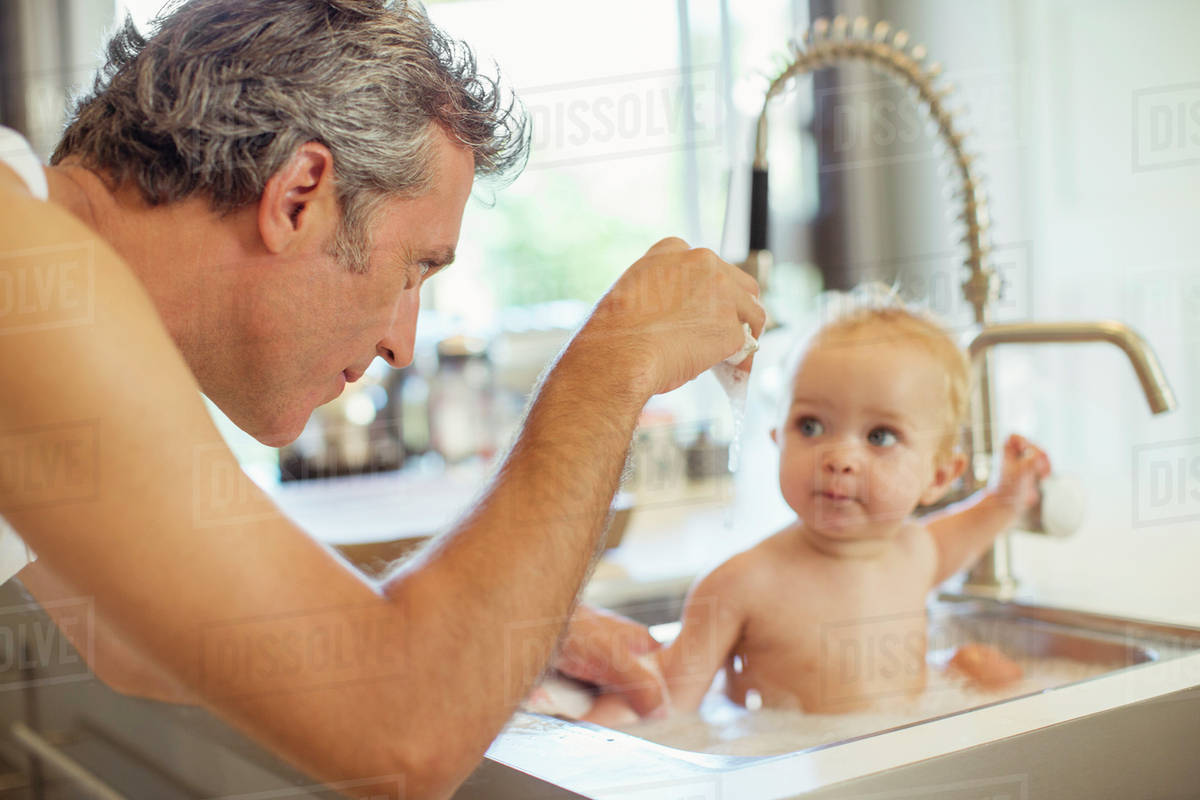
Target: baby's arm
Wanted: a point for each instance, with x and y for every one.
(966, 531)
(712, 622)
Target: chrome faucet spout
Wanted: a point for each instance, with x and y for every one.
(1145, 364)
(992, 575)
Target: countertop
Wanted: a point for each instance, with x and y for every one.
(1113, 564)
(1106, 567)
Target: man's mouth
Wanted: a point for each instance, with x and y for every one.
(350, 375)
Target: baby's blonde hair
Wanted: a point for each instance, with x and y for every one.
(876, 307)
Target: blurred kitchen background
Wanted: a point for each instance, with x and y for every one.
(1086, 116)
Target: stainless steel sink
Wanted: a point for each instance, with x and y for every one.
(1029, 635)
(1130, 661)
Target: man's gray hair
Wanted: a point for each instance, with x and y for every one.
(223, 92)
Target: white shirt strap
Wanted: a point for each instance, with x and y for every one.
(16, 153)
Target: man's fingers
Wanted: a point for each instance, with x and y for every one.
(671, 244)
(745, 282)
(705, 260)
(631, 675)
(600, 625)
(753, 312)
(639, 680)
(639, 638)
(616, 653)
(645, 690)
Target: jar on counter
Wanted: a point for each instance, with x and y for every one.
(461, 391)
(408, 406)
(658, 464)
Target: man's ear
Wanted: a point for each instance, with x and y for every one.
(299, 201)
(945, 472)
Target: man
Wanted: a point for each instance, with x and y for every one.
(261, 189)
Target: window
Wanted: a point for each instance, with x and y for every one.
(640, 131)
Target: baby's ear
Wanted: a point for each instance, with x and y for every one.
(945, 472)
(775, 435)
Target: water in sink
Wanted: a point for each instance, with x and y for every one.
(721, 726)
(1050, 655)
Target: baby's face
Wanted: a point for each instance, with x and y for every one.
(859, 443)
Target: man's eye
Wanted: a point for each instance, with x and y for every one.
(810, 426)
(883, 437)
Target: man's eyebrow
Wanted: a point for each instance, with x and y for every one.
(442, 257)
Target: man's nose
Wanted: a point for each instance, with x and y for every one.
(396, 346)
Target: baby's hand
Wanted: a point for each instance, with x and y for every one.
(1024, 465)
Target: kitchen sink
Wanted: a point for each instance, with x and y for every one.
(1079, 666)
(1051, 654)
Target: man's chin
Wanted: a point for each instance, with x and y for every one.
(274, 424)
(277, 439)
(279, 431)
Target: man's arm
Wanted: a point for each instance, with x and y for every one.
(149, 517)
(963, 532)
(113, 660)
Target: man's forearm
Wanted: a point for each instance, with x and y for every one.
(514, 566)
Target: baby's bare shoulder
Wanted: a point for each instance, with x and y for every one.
(751, 572)
(918, 547)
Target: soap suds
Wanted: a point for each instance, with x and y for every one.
(723, 727)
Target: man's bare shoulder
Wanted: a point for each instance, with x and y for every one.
(60, 262)
(83, 344)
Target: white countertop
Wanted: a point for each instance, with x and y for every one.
(1111, 566)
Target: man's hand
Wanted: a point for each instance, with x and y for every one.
(606, 649)
(1024, 465)
(673, 314)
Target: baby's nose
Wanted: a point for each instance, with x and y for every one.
(843, 459)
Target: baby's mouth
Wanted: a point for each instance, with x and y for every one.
(833, 496)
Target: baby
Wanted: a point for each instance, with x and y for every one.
(829, 613)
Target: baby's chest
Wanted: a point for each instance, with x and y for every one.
(828, 612)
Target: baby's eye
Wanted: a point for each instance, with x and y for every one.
(810, 426)
(883, 437)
